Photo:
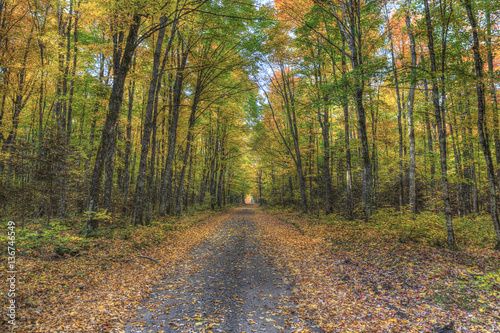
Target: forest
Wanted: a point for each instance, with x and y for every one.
(133, 110)
(126, 126)
(123, 109)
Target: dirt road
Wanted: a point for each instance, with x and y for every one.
(228, 285)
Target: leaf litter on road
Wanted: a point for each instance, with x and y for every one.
(227, 285)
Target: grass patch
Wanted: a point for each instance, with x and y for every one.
(456, 295)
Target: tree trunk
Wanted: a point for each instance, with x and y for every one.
(220, 182)
(165, 191)
(468, 162)
(72, 83)
(109, 167)
(327, 177)
(187, 151)
(345, 107)
(354, 41)
(409, 107)
(324, 121)
(475, 191)
(400, 116)
(292, 121)
(458, 166)
(128, 146)
(121, 64)
(493, 94)
(148, 126)
(19, 100)
(150, 178)
(441, 130)
(429, 141)
(128, 143)
(481, 124)
(189, 177)
(367, 168)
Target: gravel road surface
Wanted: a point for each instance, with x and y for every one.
(228, 285)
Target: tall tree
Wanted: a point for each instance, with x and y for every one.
(441, 128)
(481, 125)
(409, 109)
(154, 90)
(122, 58)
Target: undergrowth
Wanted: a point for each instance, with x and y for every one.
(417, 233)
(62, 238)
(427, 228)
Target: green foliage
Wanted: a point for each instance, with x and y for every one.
(426, 228)
(460, 292)
(125, 234)
(59, 239)
(429, 228)
(55, 237)
(102, 214)
(490, 282)
(451, 296)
